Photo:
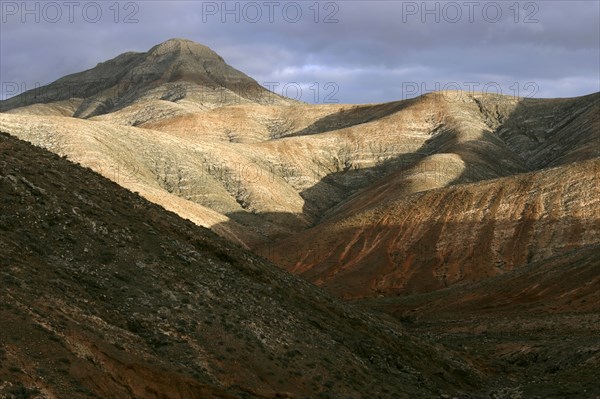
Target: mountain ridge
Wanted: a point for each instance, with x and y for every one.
(174, 70)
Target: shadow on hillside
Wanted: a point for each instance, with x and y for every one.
(356, 115)
(555, 277)
(339, 187)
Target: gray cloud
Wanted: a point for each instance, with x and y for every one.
(376, 51)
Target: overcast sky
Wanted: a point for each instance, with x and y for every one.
(346, 51)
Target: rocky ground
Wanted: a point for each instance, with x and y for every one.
(107, 295)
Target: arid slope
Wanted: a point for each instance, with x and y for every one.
(105, 294)
(429, 240)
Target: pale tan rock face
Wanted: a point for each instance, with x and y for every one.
(274, 175)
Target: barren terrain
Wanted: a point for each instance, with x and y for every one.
(470, 219)
(105, 294)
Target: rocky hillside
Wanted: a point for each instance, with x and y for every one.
(466, 232)
(540, 324)
(106, 295)
(470, 218)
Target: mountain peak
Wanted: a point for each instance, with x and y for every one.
(183, 47)
(173, 70)
(178, 40)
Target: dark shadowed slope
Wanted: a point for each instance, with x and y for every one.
(104, 294)
(538, 325)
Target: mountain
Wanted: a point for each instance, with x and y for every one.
(500, 182)
(177, 71)
(107, 295)
(467, 219)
